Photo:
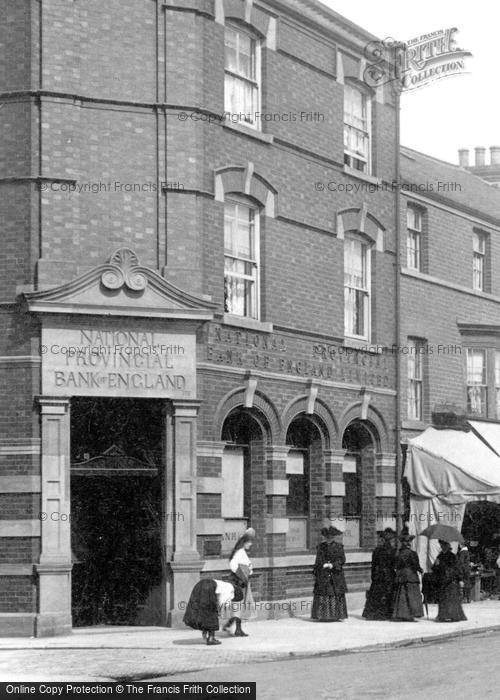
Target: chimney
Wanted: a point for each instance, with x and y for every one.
(480, 156)
(495, 155)
(463, 157)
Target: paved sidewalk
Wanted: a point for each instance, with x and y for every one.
(137, 653)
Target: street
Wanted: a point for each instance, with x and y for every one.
(458, 668)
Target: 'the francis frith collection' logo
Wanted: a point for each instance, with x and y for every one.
(416, 63)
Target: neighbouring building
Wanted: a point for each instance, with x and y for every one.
(450, 293)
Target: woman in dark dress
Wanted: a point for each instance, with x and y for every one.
(408, 598)
(207, 598)
(329, 603)
(448, 576)
(380, 596)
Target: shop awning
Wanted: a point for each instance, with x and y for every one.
(490, 432)
(453, 465)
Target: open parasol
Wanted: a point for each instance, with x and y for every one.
(442, 532)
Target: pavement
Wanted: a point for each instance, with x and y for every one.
(148, 653)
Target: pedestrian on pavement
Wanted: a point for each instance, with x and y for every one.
(241, 570)
(207, 598)
(329, 603)
(380, 596)
(449, 580)
(408, 598)
(463, 558)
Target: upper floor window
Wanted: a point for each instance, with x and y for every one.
(242, 75)
(415, 379)
(357, 118)
(414, 237)
(477, 391)
(356, 288)
(241, 259)
(479, 254)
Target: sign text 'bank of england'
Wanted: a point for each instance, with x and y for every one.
(107, 362)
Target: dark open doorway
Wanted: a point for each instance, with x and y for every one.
(116, 452)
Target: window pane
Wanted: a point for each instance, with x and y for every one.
(245, 56)
(476, 367)
(478, 243)
(230, 39)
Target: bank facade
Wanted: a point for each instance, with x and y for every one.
(197, 310)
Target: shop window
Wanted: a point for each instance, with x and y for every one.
(241, 259)
(357, 288)
(242, 75)
(414, 238)
(477, 390)
(415, 379)
(357, 136)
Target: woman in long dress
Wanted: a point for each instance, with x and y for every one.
(408, 597)
(448, 576)
(241, 570)
(329, 603)
(380, 595)
(207, 598)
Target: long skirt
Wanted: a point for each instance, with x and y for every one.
(329, 608)
(407, 602)
(378, 604)
(450, 604)
(244, 609)
(202, 611)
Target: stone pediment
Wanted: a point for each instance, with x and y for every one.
(121, 287)
(112, 460)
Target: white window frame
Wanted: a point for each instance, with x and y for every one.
(255, 261)
(478, 260)
(414, 234)
(247, 118)
(415, 387)
(480, 388)
(350, 155)
(348, 323)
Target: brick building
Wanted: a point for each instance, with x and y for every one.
(197, 311)
(450, 292)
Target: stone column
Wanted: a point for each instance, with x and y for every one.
(54, 569)
(185, 563)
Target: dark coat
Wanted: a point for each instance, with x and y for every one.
(202, 612)
(448, 574)
(379, 597)
(329, 581)
(407, 566)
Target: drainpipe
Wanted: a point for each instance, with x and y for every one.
(398, 58)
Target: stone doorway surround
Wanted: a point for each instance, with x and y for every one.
(130, 306)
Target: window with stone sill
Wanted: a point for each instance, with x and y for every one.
(357, 129)
(414, 237)
(357, 288)
(242, 80)
(241, 259)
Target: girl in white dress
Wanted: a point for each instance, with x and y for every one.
(241, 570)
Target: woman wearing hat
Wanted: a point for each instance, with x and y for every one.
(449, 580)
(241, 570)
(380, 596)
(408, 598)
(329, 603)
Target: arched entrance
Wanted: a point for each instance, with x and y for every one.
(305, 474)
(359, 508)
(243, 471)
